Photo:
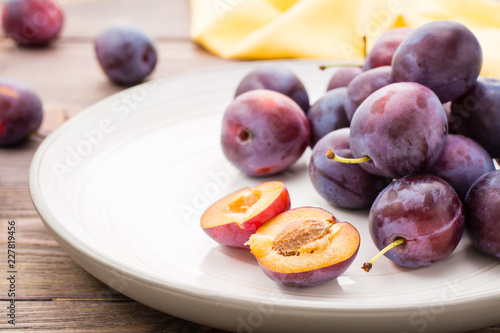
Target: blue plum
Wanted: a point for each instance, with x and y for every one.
(422, 210)
(21, 112)
(264, 132)
(327, 114)
(342, 185)
(482, 214)
(462, 162)
(32, 22)
(278, 78)
(126, 54)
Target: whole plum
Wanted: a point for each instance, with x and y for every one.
(401, 127)
(126, 54)
(327, 114)
(21, 112)
(342, 185)
(32, 22)
(278, 78)
(462, 162)
(482, 214)
(363, 86)
(264, 132)
(443, 55)
(422, 210)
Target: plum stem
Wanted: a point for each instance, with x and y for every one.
(367, 266)
(364, 47)
(342, 64)
(330, 154)
(38, 135)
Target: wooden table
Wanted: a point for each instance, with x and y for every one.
(52, 291)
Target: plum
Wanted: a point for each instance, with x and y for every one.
(126, 54)
(304, 247)
(32, 22)
(401, 128)
(463, 161)
(443, 55)
(264, 132)
(423, 214)
(384, 48)
(231, 220)
(278, 78)
(482, 214)
(342, 185)
(476, 114)
(327, 114)
(363, 86)
(21, 112)
(343, 76)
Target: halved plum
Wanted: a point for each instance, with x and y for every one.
(233, 219)
(305, 246)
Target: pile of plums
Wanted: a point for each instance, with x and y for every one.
(410, 135)
(125, 53)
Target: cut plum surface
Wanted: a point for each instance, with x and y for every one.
(304, 247)
(231, 220)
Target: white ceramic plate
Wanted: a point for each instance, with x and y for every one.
(122, 187)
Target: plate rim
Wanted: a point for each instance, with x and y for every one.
(179, 287)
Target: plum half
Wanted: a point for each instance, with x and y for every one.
(304, 247)
(233, 219)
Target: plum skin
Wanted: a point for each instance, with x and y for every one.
(402, 127)
(363, 86)
(278, 78)
(476, 114)
(482, 214)
(235, 236)
(343, 185)
(126, 54)
(342, 77)
(442, 55)
(32, 22)
(21, 112)
(327, 114)
(463, 161)
(313, 277)
(384, 48)
(264, 132)
(426, 212)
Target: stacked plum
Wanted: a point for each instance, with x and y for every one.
(380, 140)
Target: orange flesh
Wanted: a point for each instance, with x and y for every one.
(338, 244)
(242, 205)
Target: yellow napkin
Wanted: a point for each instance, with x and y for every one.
(267, 29)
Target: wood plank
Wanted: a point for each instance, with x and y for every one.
(69, 74)
(45, 271)
(159, 18)
(95, 316)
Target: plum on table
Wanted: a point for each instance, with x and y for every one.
(126, 54)
(21, 112)
(32, 22)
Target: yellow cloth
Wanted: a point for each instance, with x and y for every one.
(267, 29)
